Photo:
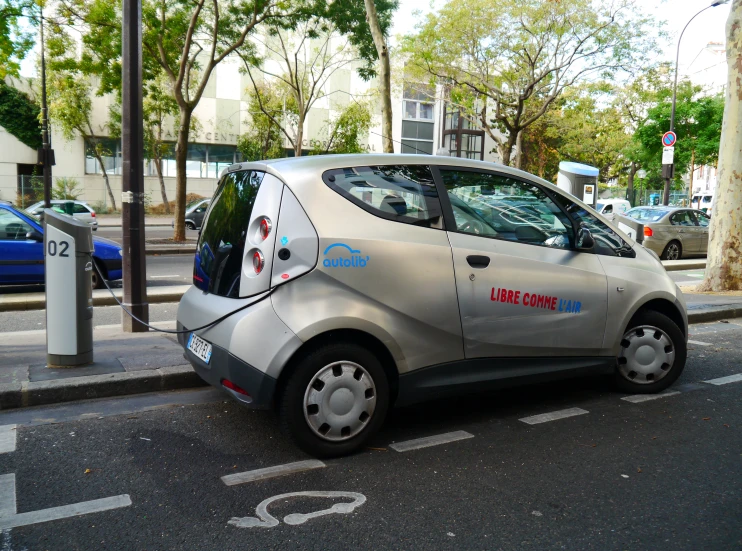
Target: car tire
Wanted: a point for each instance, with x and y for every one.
(652, 354)
(190, 226)
(334, 400)
(97, 279)
(673, 251)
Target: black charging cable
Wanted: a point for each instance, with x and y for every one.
(170, 331)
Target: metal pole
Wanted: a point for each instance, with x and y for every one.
(45, 155)
(132, 200)
(666, 198)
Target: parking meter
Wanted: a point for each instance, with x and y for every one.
(68, 258)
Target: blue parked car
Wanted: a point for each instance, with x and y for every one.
(22, 250)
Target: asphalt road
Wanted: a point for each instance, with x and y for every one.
(660, 474)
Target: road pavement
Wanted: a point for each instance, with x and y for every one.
(146, 471)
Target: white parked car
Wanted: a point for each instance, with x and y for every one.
(703, 201)
(610, 207)
(78, 209)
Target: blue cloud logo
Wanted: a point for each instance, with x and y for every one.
(353, 260)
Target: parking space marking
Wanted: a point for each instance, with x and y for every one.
(272, 472)
(429, 441)
(699, 343)
(725, 380)
(8, 438)
(553, 416)
(639, 398)
(7, 495)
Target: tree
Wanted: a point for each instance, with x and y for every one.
(70, 108)
(264, 140)
(520, 55)
(343, 134)
(19, 115)
(698, 121)
(724, 264)
(385, 76)
(307, 57)
(15, 42)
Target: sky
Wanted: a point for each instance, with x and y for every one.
(707, 27)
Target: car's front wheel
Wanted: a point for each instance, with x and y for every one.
(335, 400)
(190, 225)
(652, 354)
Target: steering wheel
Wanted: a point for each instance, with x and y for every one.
(472, 226)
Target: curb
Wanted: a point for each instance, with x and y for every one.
(26, 394)
(171, 250)
(715, 314)
(699, 265)
(39, 302)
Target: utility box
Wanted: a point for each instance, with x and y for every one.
(68, 258)
(579, 180)
(633, 228)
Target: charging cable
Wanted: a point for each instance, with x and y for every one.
(170, 331)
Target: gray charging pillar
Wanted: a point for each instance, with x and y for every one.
(68, 258)
(579, 180)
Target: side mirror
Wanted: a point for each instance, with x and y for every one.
(33, 235)
(585, 240)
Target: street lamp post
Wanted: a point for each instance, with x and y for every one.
(46, 153)
(668, 171)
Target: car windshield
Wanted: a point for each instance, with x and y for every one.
(648, 215)
(31, 216)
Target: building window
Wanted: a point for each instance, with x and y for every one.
(417, 121)
(461, 137)
(202, 160)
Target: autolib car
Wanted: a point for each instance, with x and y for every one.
(22, 250)
(332, 288)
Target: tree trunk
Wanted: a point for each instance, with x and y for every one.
(299, 137)
(692, 169)
(518, 147)
(181, 153)
(105, 179)
(163, 191)
(633, 169)
(724, 263)
(506, 149)
(385, 76)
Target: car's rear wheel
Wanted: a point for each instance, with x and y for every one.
(97, 279)
(652, 354)
(190, 225)
(673, 251)
(335, 400)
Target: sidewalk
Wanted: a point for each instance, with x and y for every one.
(125, 363)
(114, 220)
(690, 264)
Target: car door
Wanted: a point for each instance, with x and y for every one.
(522, 289)
(684, 229)
(608, 211)
(199, 213)
(703, 221)
(21, 259)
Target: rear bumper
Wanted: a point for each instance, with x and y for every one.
(223, 365)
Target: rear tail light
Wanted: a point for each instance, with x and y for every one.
(258, 262)
(648, 231)
(265, 228)
(226, 383)
(92, 213)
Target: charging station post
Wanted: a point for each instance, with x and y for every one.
(68, 258)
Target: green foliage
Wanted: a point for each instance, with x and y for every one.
(66, 188)
(518, 56)
(264, 140)
(345, 133)
(15, 42)
(19, 115)
(698, 121)
(70, 104)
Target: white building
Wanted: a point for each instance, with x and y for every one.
(421, 125)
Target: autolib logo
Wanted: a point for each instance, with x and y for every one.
(355, 260)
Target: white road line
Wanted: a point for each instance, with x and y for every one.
(7, 495)
(725, 380)
(7, 438)
(272, 472)
(553, 416)
(65, 511)
(639, 398)
(429, 441)
(699, 343)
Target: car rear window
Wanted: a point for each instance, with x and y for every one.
(221, 246)
(401, 193)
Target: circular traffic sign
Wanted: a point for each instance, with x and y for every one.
(669, 139)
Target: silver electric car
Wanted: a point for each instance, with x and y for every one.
(344, 285)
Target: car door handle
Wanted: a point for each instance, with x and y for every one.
(478, 261)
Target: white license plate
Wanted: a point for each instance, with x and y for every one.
(199, 347)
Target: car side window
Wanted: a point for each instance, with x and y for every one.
(682, 218)
(608, 209)
(401, 193)
(607, 241)
(498, 206)
(703, 219)
(80, 209)
(12, 227)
